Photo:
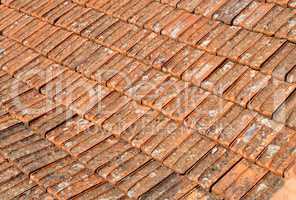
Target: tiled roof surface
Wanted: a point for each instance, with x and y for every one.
(148, 99)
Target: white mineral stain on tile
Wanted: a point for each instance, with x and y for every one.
(153, 174)
(2, 51)
(292, 33)
(115, 176)
(292, 3)
(227, 66)
(145, 78)
(205, 43)
(292, 22)
(261, 187)
(62, 186)
(212, 113)
(272, 149)
(140, 111)
(68, 144)
(156, 27)
(214, 150)
(160, 60)
(175, 31)
(130, 193)
(249, 133)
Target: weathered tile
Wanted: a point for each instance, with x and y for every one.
(230, 10)
(173, 187)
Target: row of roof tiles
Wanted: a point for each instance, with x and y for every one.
(257, 16)
(280, 65)
(99, 151)
(198, 4)
(254, 15)
(246, 87)
(45, 164)
(112, 158)
(289, 3)
(205, 33)
(223, 123)
(136, 87)
(267, 54)
(67, 92)
(119, 104)
(15, 184)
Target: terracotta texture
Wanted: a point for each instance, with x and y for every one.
(147, 99)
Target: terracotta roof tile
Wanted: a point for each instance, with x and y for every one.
(196, 193)
(189, 153)
(54, 14)
(40, 35)
(174, 187)
(102, 191)
(230, 10)
(135, 99)
(255, 11)
(216, 170)
(161, 124)
(239, 180)
(265, 187)
(66, 48)
(208, 8)
(28, 30)
(255, 65)
(16, 185)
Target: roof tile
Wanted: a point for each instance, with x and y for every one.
(28, 30)
(173, 187)
(197, 193)
(275, 19)
(215, 171)
(40, 35)
(166, 120)
(201, 69)
(66, 48)
(53, 15)
(208, 8)
(51, 119)
(249, 19)
(126, 171)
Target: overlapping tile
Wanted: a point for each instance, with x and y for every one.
(286, 3)
(206, 35)
(96, 154)
(16, 185)
(252, 15)
(185, 75)
(134, 192)
(107, 93)
(81, 17)
(170, 106)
